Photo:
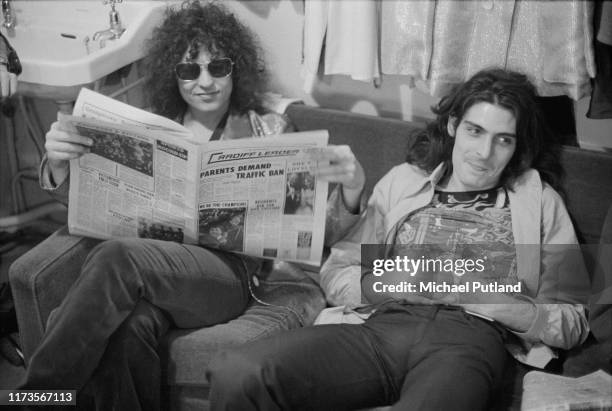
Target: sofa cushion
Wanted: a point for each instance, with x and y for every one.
(588, 175)
(600, 304)
(186, 353)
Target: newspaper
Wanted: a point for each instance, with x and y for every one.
(549, 392)
(147, 176)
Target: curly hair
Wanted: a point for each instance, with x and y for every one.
(504, 88)
(212, 26)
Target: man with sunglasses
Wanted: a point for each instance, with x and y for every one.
(191, 70)
(205, 72)
(205, 84)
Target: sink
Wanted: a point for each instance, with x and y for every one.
(54, 41)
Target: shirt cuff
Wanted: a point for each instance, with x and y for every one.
(538, 324)
(45, 179)
(339, 220)
(338, 199)
(362, 202)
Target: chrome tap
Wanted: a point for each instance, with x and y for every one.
(7, 14)
(115, 31)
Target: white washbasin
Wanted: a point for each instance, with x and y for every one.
(54, 41)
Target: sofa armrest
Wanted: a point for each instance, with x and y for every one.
(41, 278)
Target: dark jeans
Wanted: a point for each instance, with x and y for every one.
(415, 357)
(129, 292)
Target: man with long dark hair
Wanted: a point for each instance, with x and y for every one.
(479, 258)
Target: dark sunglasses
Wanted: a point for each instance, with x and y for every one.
(217, 68)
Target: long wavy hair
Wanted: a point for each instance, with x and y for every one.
(212, 26)
(507, 89)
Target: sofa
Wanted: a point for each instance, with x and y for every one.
(41, 277)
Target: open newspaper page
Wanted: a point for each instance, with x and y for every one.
(260, 197)
(140, 178)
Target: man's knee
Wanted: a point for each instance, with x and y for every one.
(111, 256)
(110, 250)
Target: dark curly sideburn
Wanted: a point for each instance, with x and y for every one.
(508, 89)
(212, 26)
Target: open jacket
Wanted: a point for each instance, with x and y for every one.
(539, 217)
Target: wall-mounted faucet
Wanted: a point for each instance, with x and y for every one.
(115, 31)
(7, 14)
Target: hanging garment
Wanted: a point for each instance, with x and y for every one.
(345, 34)
(604, 18)
(468, 36)
(549, 41)
(407, 37)
(600, 106)
(552, 42)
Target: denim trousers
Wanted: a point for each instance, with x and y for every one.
(104, 335)
(414, 357)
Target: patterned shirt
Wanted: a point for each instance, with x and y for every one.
(475, 225)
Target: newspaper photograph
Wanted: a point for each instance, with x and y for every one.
(260, 197)
(132, 184)
(145, 176)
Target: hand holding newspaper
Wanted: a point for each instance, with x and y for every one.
(146, 176)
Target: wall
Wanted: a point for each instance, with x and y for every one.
(278, 23)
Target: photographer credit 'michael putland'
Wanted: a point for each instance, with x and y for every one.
(438, 275)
